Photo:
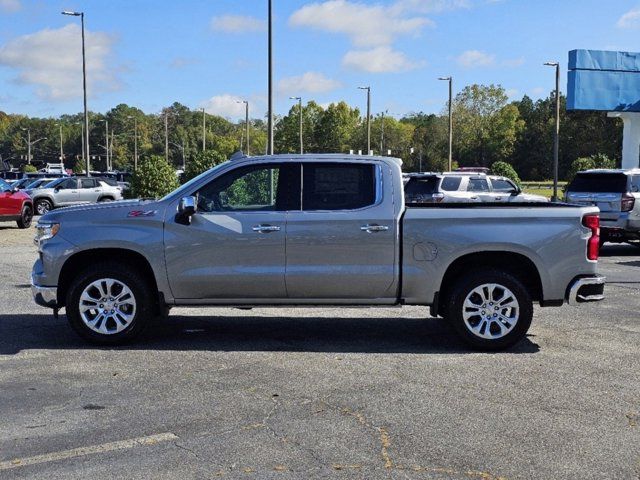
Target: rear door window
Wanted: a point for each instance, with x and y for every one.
(337, 186)
(478, 185)
(450, 184)
(599, 183)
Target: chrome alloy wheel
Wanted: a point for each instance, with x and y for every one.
(490, 311)
(107, 306)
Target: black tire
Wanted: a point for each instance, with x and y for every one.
(137, 284)
(43, 206)
(25, 217)
(464, 287)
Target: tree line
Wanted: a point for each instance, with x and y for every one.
(488, 128)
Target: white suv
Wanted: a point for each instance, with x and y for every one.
(73, 191)
(464, 187)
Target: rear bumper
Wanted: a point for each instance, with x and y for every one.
(44, 296)
(586, 289)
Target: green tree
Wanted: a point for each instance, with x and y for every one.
(504, 169)
(486, 127)
(28, 168)
(599, 160)
(154, 178)
(201, 162)
(336, 127)
(430, 142)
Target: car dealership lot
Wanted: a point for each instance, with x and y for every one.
(310, 393)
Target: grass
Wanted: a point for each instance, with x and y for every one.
(544, 188)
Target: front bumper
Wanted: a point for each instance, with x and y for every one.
(44, 296)
(586, 289)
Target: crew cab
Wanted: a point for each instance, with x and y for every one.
(314, 230)
(15, 205)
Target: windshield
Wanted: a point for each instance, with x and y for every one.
(599, 183)
(4, 186)
(194, 180)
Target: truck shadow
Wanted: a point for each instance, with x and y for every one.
(254, 334)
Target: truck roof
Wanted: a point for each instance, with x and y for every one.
(283, 157)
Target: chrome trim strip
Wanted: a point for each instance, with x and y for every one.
(575, 299)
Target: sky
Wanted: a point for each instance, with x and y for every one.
(212, 54)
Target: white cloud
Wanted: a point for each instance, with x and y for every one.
(431, 6)
(379, 60)
(225, 105)
(475, 58)
(538, 91)
(512, 93)
(237, 24)
(631, 19)
(51, 59)
(513, 62)
(365, 25)
(10, 6)
(310, 82)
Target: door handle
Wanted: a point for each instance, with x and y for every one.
(266, 228)
(370, 228)
(498, 198)
(473, 198)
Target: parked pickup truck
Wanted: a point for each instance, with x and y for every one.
(313, 230)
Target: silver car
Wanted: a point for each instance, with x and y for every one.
(456, 187)
(73, 191)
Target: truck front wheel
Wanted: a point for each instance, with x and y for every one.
(490, 309)
(109, 303)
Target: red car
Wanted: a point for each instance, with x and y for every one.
(15, 205)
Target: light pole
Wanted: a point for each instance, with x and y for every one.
(368, 89)
(30, 143)
(246, 122)
(270, 113)
(382, 133)
(85, 139)
(556, 133)
(450, 80)
(166, 136)
(61, 150)
(204, 131)
(300, 120)
(106, 140)
(135, 142)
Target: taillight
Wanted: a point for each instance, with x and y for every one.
(592, 222)
(627, 202)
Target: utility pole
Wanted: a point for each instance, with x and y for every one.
(300, 120)
(246, 123)
(270, 113)
(30, 143)
(204, 131)
(135, 141)
(166, 136)
(368, 89)
(106, 139)
(61, 150)
(382, 133)
(450, 80)
(556, 133)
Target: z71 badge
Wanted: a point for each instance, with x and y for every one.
(142, 213)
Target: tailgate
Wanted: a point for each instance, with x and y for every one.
(608, 203)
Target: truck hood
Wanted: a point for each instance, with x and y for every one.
(139, 208)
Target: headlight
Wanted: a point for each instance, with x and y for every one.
(44, 232)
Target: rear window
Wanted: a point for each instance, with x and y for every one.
(421, 186)
(451, 184)
(599, 183)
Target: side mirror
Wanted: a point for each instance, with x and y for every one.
(515, 191)
(187, 207)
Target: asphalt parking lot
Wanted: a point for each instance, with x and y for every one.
(320, 393)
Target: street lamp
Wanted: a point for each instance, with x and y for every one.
(30, 143)
(270, 54)
(61, 150)
(368, 89)
(204, 130)
(300, 115)
(85, 138)
(556, 133)
(135, 142)
(450, 80)
(246, 122)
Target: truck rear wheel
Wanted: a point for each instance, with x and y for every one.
(490, 309)
(109, 303)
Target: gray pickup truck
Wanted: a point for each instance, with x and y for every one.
(314, 230)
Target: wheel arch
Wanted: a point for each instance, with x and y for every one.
(517, 264)
(79, 260)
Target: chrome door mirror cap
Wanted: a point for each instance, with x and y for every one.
(187, 207)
